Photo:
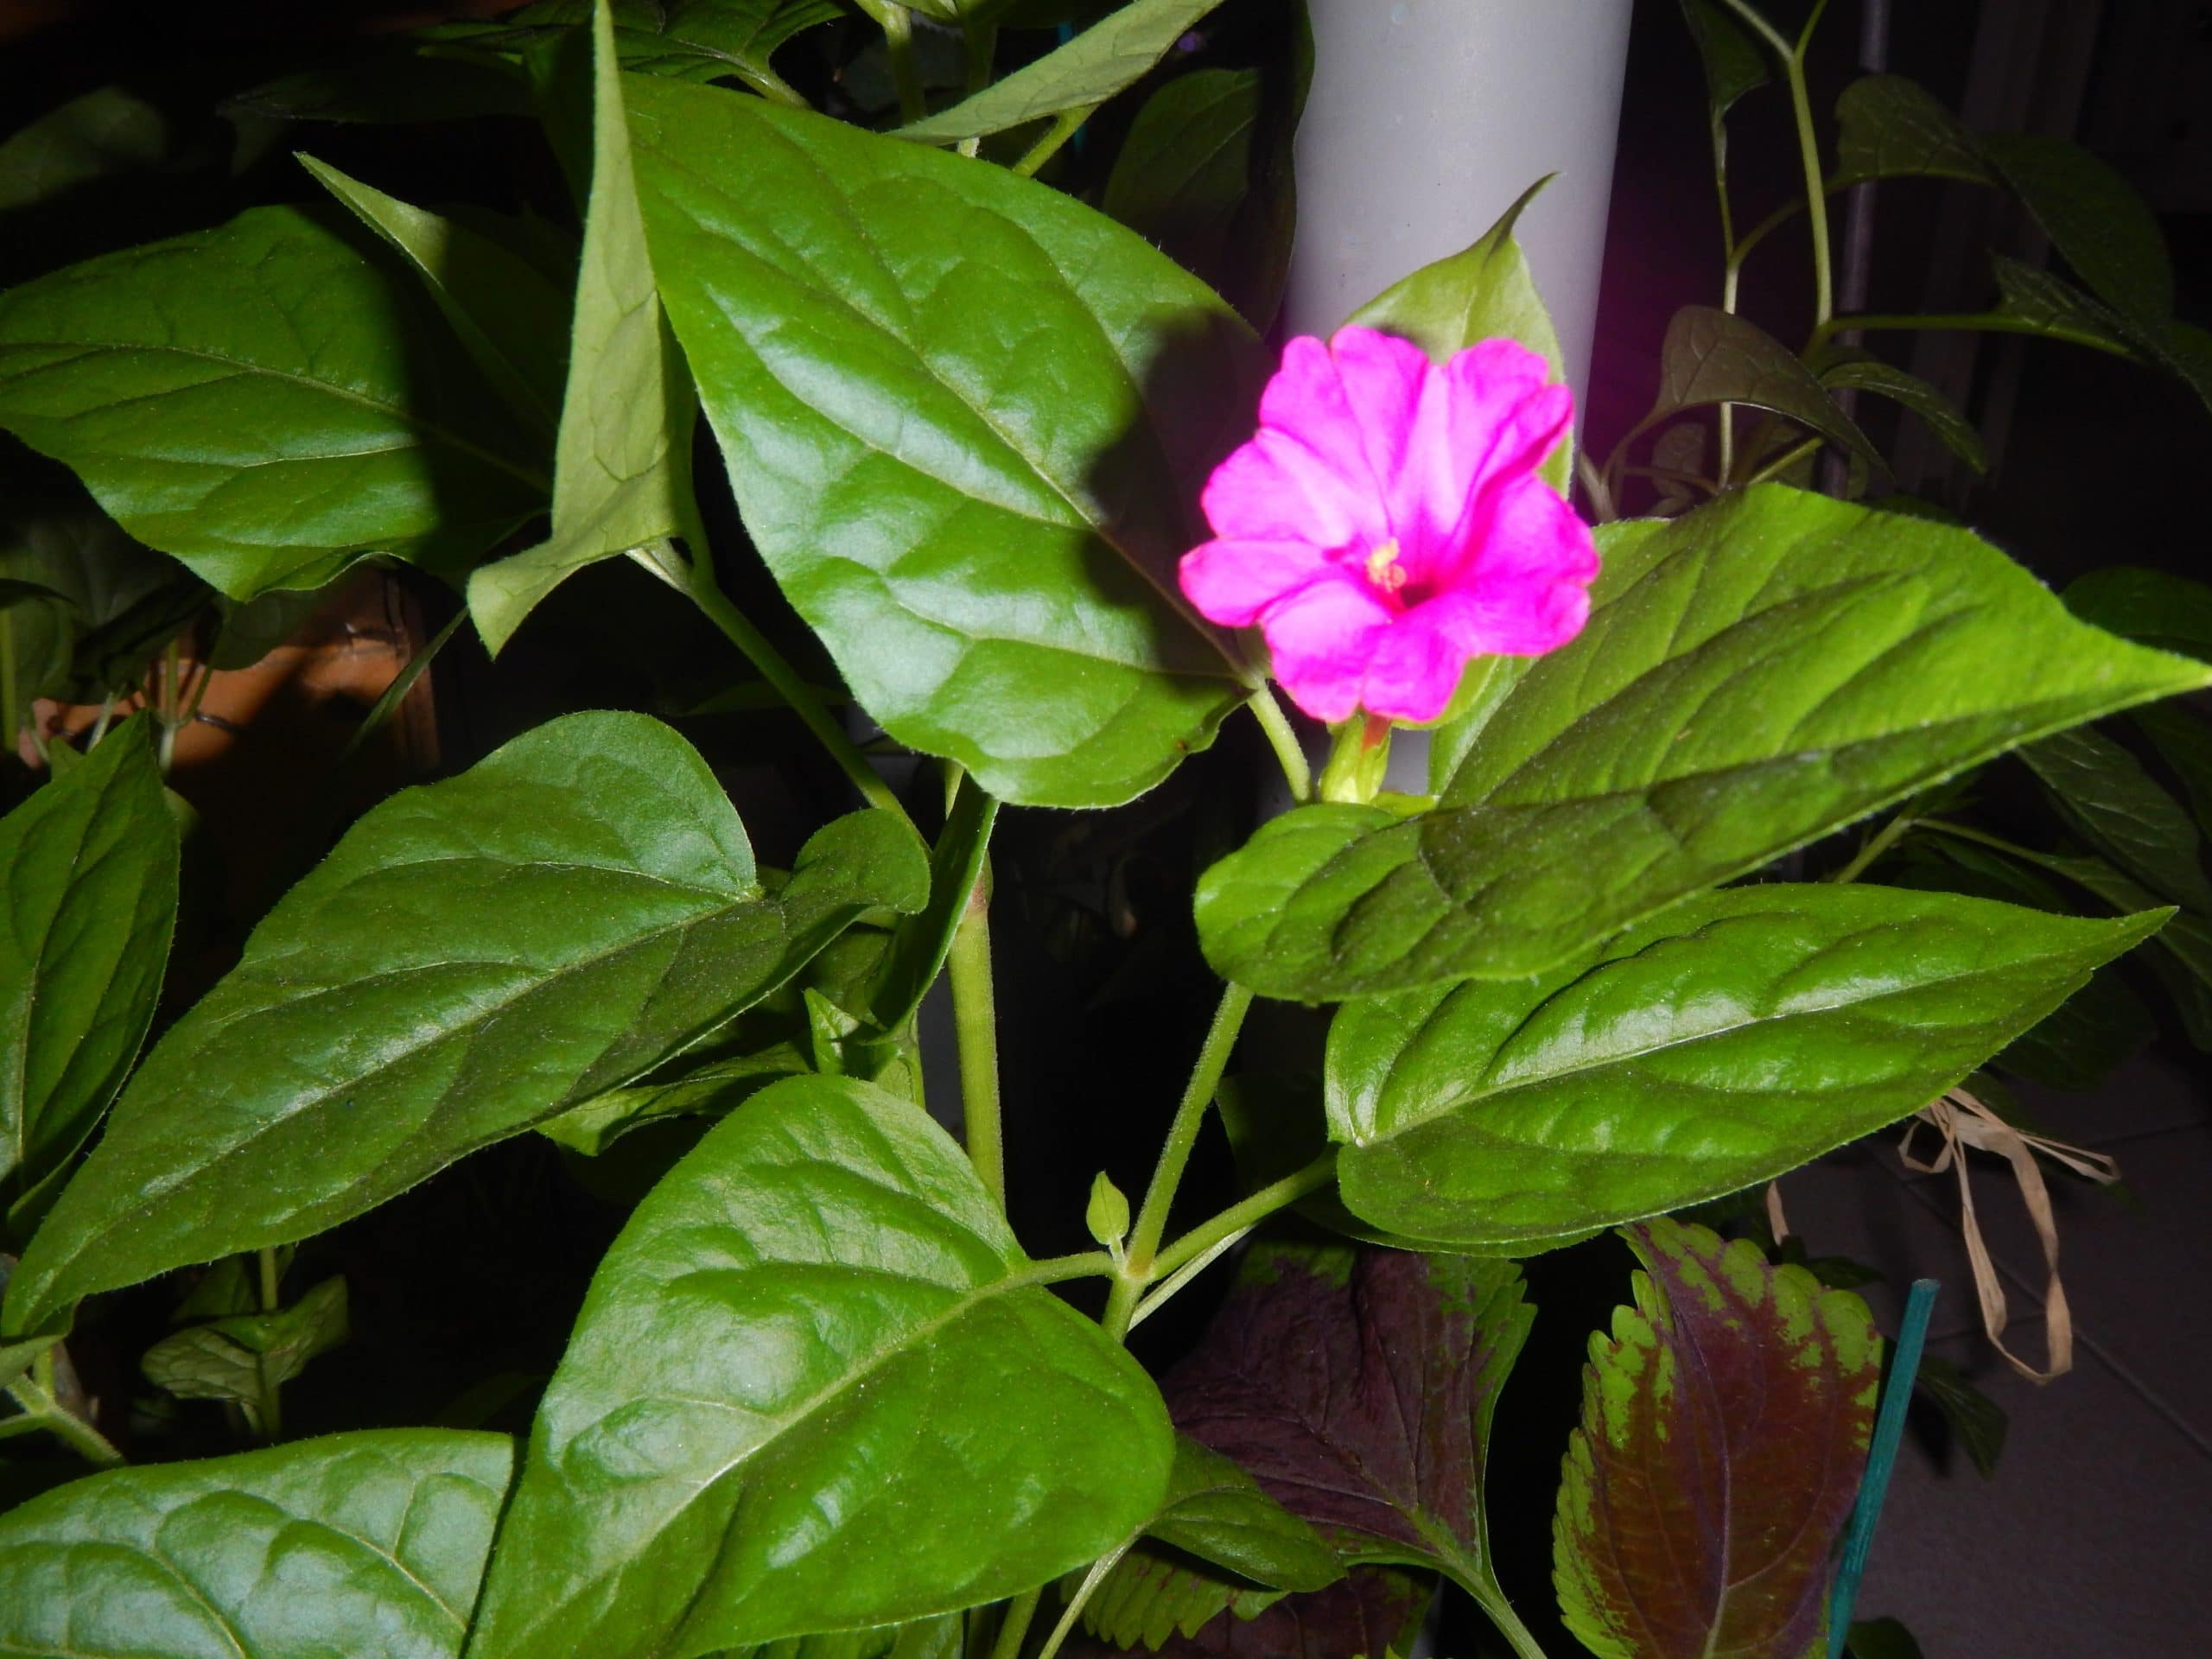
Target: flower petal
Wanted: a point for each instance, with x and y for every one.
(1278, 488)
(1528, 589)
(1232, 582)
(1321, 639)
(1417, 666)
(1387, 381)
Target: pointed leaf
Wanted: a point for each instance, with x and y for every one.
(1509, 1114)
(1734, 64)
(365, 1543)
(1937, 412)
(97, 136)
(475, 956)
(265, 400)
(1218, 1513)
(88, 881)
(2155, 607)
(1109, 56)
(983, 533)
(685, 39)
(1723, 1429)
(1755, 675)
(2110, 797)
(1375, 1612)
(1715, 357)
(2102, 228)
(238, 1356)
(816, 1385)
(713, 1090)
(1889, 127)
(622, 466)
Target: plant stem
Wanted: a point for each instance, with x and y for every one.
(172, 666)
(1248, 1213)
(1808, 146)
(1063, 129)
(1015, 1625)
(905, 70)
(1995, 843)
(12, 713)
(974, 1019)
(1084, 1591)
(793, 689)
(1174, 1155)
(72, 1431)
(1726, 418)
(1979, 321)
(1879, 843)
(271, 1390)
(1290, 754)
(388, 701)
(1783, 462)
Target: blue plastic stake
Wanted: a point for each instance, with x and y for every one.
(1881, 1459)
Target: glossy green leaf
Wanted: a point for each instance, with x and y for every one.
(686, 40)
(1107, 58)
(983, 532)
(816, 1386)
(2108, 796)
(95, 135)
(1734, 1037)
(86, 607)
(622, 465)
(1889, 127)
(88, 882)
(505, 314)
(712, 1089)
(475, 956)
(919, 945)
(2155, 607)
(1723, 1429)
(238, 1356)
(1754, 674)
(355, 1544)
(1734, 64)
(1218, 1513)
(265, 401)
(1939, 413)
(1712, 356)
(1483, 292)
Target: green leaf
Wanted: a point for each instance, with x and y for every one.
(96, 135)
(87, 606)
(364, 1543)
(982, 533)
(1979, 1421)
(1106, 1217)
(1937, 412)
(2154, 607)
(1889, 127)
(1881, 1638)
(1373, 1611)
(1218, 1513)
(2102, 228)
(88, 881)
(475, 956)
(686, 40)
(1152, 1596)
(265, 401)
(714, 1089)
(387, 82)
(506, 314)
(1734, 64)
(2183, 740)
(2106, 794)
(241, 1356)
(1483, 292)
(1109, 57)
(816, 1385)
(1734, 1037)
(1724, 1428)
(622, 466)
(1712, 356)
(1754, 674)
(919, 945)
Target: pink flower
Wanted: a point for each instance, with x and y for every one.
(1387, 524)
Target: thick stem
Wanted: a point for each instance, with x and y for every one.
(1290, 754)
(905, 69)
(1174, 1156)
(1063, 129)
(272, 1389)
(1783, 462)
(64, 1425)
(1014, 1627)
(1726, 418)
(974, 1019)
(1247, 1213)
(1879, 843)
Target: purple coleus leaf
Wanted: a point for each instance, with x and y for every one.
(1725, 1424)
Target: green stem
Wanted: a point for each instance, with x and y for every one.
(1996, 322)
(172, 664)
(72, 1431)
(1808, 146)
(1248, 1213)
(1783, 462)
(270, 1388)
(1290, 754)
(905, 70)
(791, 688)
(1063, 129)
(974, 1019)
(388, 701)
(1995, 843)
(1879, 843)
(1726, 420)
(1059, 1270)
(11, 712)
(1084, 1591)
(1174, 1155)
(1016, 1626)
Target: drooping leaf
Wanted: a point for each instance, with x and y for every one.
(2183, 740)
(684, 40)
(266, 401)
(1733, 63)
(1938, 413)
(87, 606)
(505, 314)
(475, 956)
(1724, 1429)
(622, 464)
(1483, 292)
(363, 1543)
(1755, 675)
(919, 945)
(1109, 57)
(1375, 1611)
(2155, 607)
(1378, 1434)
(1712, 356)
(816, 1385)
(88, 882)
(2094, 218)
(982, 533)
(1733, 1038)
(1889, 127)
(97, 135)
(237, 1357)
(2107, 796)
(713, 1090)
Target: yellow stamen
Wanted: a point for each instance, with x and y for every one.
(1384, 568)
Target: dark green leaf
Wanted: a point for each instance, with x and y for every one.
(1375, 1611)
(1107, 58)
(1755, 675)
(1153, 1596)
(622, 465)
(88, 876)
(475, 956)
(87, 606)
(983, 532)
(1715, 357)
(1732, 1039)
(387, 83)
(1979, 1421)
(815, 1385)
(265, 401)
(1889, 127)
(1881, 1638)
(1723, 1429)
(2105, 794)
(2183, 740)
(1218, 1512)
(686, 40)
(919, 945)
(355, 1544)
(2094, 218)
(2155, 607)
(714, 1089)
(1734, 64)
(97, 136)
(2051, 305)
(1939, 413)
(240, 1355)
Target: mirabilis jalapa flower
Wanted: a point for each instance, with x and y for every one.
(1387, 524)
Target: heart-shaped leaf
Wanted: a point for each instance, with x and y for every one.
(88, 881)
(982, 531)
(266, 400)
(365, 1543)
(474, 957)
(1723, 1429)
(1754, 674)
(816, 1386)
(1712, 356)
(1734, 1037)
